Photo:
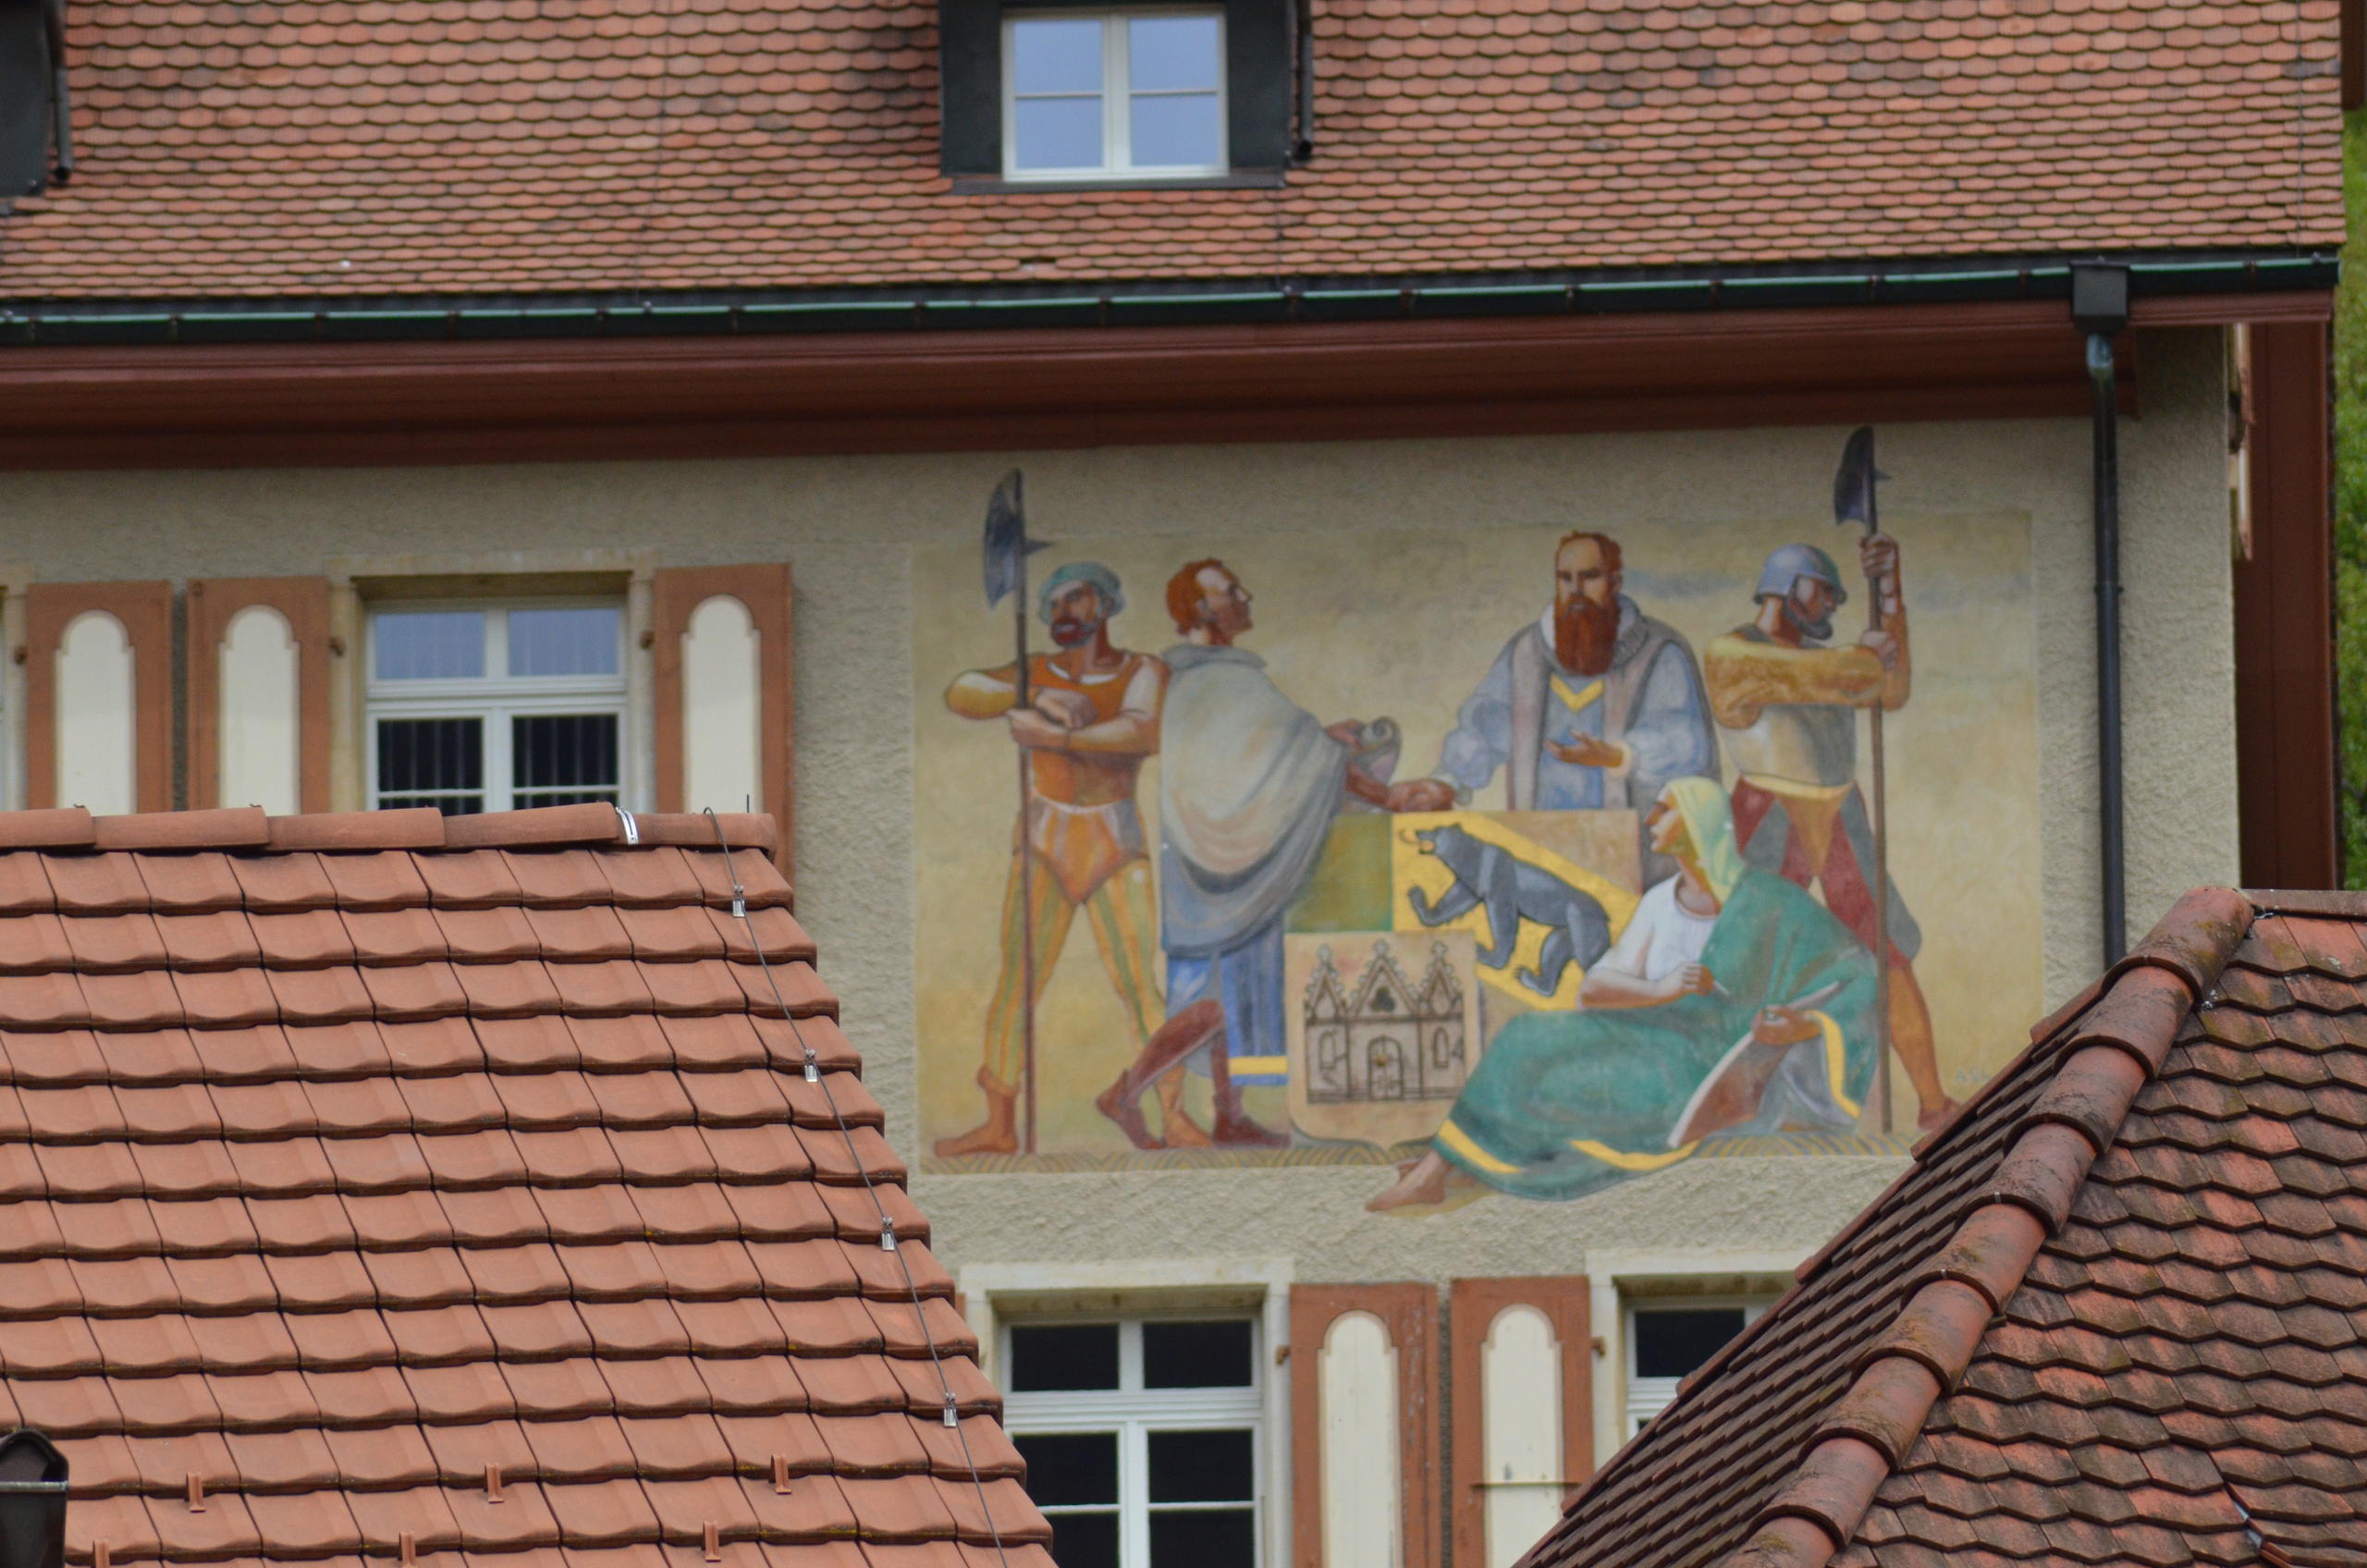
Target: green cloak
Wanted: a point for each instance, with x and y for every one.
(1563, 1103)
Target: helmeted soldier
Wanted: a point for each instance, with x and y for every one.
(1787, 701)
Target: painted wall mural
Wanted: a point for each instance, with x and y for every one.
(1520, 859)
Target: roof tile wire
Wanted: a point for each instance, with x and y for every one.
(854, 1157)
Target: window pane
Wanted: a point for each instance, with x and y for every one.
(1201, 1467)
(428, 644)
(1196, 1355)
(560, 759)
(1056, 133)
(1672, 1343)
(1165, 52)
(432, 762)
(1056, 55)
(570, 642)
(1070, 1469)
(1225, 1538)
(1089, 1540)
(1177, 132)
(1063, 1355)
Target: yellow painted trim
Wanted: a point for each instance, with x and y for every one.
(1836, 1062)
(1579, 700)
(1623, 1161)
(1460, 1141)
(1277, 1064)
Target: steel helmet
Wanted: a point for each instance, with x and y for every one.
(1789, 563)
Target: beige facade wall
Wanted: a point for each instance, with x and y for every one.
(848, 525)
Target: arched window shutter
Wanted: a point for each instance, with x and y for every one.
(723, 662)
(1364, 1425)
(99, 695)
(1523, 1411)
(258, 672)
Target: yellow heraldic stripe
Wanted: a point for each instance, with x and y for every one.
(1460, 1141)
(1575, 701)
(1836, 1062)
(1622, 1160)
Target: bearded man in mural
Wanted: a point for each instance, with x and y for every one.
(1788, 704)
(1092, 717)
(1733, 1003)
(1248, 784)
(1593, 704)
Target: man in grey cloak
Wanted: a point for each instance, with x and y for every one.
(1248, 784)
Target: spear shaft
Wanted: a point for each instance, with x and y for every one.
(1021, 697)
(1882, 838)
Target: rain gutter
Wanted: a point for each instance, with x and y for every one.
(396, 318)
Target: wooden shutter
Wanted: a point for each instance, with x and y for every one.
(112, 740)
(713, 741)
(1476, 1308)
(259, 708)
(1407, 1314)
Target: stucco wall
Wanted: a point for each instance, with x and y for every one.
(847, 523)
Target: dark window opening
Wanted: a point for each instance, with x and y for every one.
(1196, 1355)
(1675, 1342)
(432, 762)
(1055, 1357)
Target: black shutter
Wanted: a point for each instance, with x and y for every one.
(27, 110)
(1258, 91)
(970, 64)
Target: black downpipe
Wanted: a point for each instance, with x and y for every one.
(1304, 142)
(2100, 309)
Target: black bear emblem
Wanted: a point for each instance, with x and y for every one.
(1511, 889)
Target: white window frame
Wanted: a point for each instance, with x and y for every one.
(1647, 1397)
(495, 697)
(1132, 1411)
(1620, 1277)
(1117, 98)
(995, 1294)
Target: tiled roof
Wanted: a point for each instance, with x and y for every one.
(2116, 1313)
(381, 1185)
(370, 147)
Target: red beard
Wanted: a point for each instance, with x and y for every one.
(1585, 634)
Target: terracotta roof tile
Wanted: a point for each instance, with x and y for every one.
(331, 1178)
(2112, 1315)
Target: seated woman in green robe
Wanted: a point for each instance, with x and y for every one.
(1732, 1003)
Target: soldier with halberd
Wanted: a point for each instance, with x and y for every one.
(1788, 702)
(1091, 719)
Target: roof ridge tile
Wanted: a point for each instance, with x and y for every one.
(228, 828)
(58, 827)
(420, 828)
(592, 822)
(414, 827)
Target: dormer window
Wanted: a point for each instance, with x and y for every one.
(1045, 94)
(1096, 95)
